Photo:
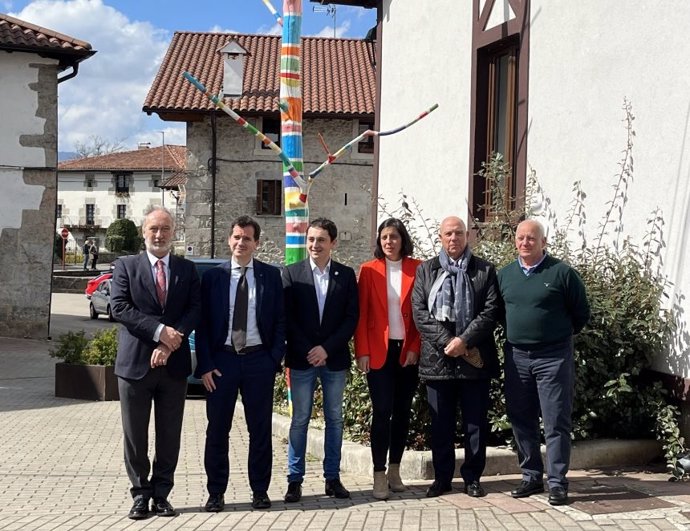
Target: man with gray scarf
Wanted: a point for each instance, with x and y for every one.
(455, 305)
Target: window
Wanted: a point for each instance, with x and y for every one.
(121, 211)
(58, 212)
(90, 180)
(90, 211)
(500, 83)
(121, 185)
(366, 145)
(268, 197)
(271, 128)
(496, 124)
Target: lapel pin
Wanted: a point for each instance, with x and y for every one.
(336, 273)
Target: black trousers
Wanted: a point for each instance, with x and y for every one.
(168, 395)
(392, 388)
(252, 375)
(443, 397)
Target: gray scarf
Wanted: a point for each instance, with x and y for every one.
(455, 299)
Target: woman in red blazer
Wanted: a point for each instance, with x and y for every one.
(387, 349)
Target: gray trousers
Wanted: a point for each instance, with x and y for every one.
(167, 394)
(541, 382)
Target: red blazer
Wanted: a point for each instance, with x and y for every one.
(371, 336)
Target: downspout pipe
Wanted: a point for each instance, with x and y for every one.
(214, 169)
(73, 73)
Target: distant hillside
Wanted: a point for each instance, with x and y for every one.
(67, 155)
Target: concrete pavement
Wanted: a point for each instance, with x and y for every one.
(61, 468)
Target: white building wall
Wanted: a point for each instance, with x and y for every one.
(19, 118)
(585, 58)
(426, 59)
(578, 81)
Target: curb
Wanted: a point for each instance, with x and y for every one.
(599, 453)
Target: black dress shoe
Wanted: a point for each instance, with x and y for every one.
(294, 492)
(215, 503)
(162, 507)
(527, 488)
(474, 489)
(260, 500)
(335, 488)
(558, 496)
(140, 509)
(438, 488)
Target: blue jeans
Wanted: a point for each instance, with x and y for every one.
(302, 385)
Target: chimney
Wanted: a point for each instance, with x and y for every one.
(234, 57)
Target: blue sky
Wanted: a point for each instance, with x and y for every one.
(131, 37)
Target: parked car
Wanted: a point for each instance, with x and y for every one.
(92, 284)
(202, 265)
(100, 301)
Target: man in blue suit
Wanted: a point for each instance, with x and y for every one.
(240, 345)
(322, 306)
(155, 296)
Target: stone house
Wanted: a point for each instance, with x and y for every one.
(230, 173)
(95, 191)
(31, 61)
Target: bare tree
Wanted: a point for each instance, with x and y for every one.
(96, 146)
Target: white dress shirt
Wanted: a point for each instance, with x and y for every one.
(320, 284)
(253, 336)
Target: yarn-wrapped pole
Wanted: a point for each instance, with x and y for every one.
(273, 11)
(296, 190)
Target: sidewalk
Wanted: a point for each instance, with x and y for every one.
(62, 468)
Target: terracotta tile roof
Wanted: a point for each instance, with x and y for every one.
(177, 180)
(337, 75)
(141, 159)
(17, 35)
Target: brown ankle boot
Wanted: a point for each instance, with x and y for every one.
(380, 491)
(394, 480)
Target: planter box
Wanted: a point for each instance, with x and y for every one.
(86, 382)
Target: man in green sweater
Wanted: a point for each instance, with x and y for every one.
(545, 305)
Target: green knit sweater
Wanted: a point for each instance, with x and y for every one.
(547, 306)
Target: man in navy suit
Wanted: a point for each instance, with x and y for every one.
(322, 309)
(240, 345)
(155, 296)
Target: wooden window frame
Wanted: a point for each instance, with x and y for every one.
(117, 210)
(272, 190)
(488, 44)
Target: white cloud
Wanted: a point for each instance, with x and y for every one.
(276, 29)
(218, 29)
(340, 31)
(106, 97)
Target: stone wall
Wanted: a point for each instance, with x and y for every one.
(28, 157)
(341, 192)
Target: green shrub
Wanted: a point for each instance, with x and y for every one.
(70, 347)
(102, 349)
(76, 348)
(123, 236)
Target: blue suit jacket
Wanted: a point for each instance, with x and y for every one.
(212, 332)
(340, 315)
(135, 305)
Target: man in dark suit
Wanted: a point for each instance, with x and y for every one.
(240, 345)
(155, 296)
(322, 309)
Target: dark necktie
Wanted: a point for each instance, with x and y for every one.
(239, 314)
(160, 282)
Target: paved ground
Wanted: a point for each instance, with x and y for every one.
(61, 468)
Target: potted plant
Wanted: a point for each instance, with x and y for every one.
(87, 367)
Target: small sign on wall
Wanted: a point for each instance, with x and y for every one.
(189, 250)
